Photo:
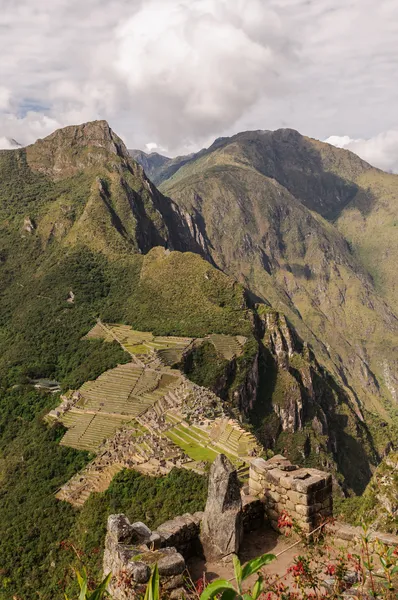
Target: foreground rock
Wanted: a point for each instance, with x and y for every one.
(222, 525)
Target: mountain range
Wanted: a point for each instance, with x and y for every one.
(311, 229)
(284, 240)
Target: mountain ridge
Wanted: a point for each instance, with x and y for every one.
(226, 250)
(252, 165)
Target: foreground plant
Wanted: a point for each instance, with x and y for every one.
(225, 589)
(98, 593)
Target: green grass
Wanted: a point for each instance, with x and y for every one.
(196, 452)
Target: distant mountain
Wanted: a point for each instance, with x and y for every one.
(271, 209)
(158, 167)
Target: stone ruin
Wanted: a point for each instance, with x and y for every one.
(131, 550)
(305, 494)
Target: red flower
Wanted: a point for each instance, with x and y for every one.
(297, 569)
(330, 570)
(284, 520)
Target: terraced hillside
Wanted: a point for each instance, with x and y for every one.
(170, 349)
(202, 442)
(142, 344)
(87, 431)
(137, 410)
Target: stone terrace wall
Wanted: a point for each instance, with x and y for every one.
(305, 494)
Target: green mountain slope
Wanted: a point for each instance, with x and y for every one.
(258, 202)
(84, 234)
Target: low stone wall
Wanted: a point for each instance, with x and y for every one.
(132, 550)
(305, 494)
(183, 533)
(349, 533)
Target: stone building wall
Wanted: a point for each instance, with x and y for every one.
(305, 494)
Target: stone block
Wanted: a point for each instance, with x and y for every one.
(289, 506)
(255, 487)
(141, 531)
(272, 514)
(297, 498)
(308, 485)
(119, 528)
(173, 582)
(258, 465)
(171, 564)
(273, 495)
(138, 571)
(286, 483)
(304, 510)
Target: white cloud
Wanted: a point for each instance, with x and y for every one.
(182, 72)
(380, 150)
(151, 146)
(7, 143)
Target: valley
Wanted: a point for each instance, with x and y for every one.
(227, 313)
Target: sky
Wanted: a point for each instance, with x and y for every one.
(173, 75)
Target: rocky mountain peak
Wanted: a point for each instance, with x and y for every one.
(93, 133)
(72, 148)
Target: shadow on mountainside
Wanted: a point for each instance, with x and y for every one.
(331, 436)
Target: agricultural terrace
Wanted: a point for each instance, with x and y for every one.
(202, 442)
(114, 412)
(169, 349)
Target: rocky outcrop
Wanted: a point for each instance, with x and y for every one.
(222, 525)
(28, 225)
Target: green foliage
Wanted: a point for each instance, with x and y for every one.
(32, 521)
(181, 294)
(225, 589)
(97, 594)
(204, 366)
(152, 588)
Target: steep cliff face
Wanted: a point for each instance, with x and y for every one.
(80, 186)
(302, 411)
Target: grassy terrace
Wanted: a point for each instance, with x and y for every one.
(87, 432)
(195, 442)
(136, 342)
(191, 448)
(226, 345)
(169, 348)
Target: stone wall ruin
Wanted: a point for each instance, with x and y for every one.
(305, 494)
(132, 549)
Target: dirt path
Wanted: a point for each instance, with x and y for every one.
(254, 544)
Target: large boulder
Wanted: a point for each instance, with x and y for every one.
(222, 524)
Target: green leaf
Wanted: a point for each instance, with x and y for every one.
(152, 588)
(98, 593)
(229, 595)
(238, 571)
(217, 587)
(394, 570)
(255, 565)
(257, 588)
(82, 580)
